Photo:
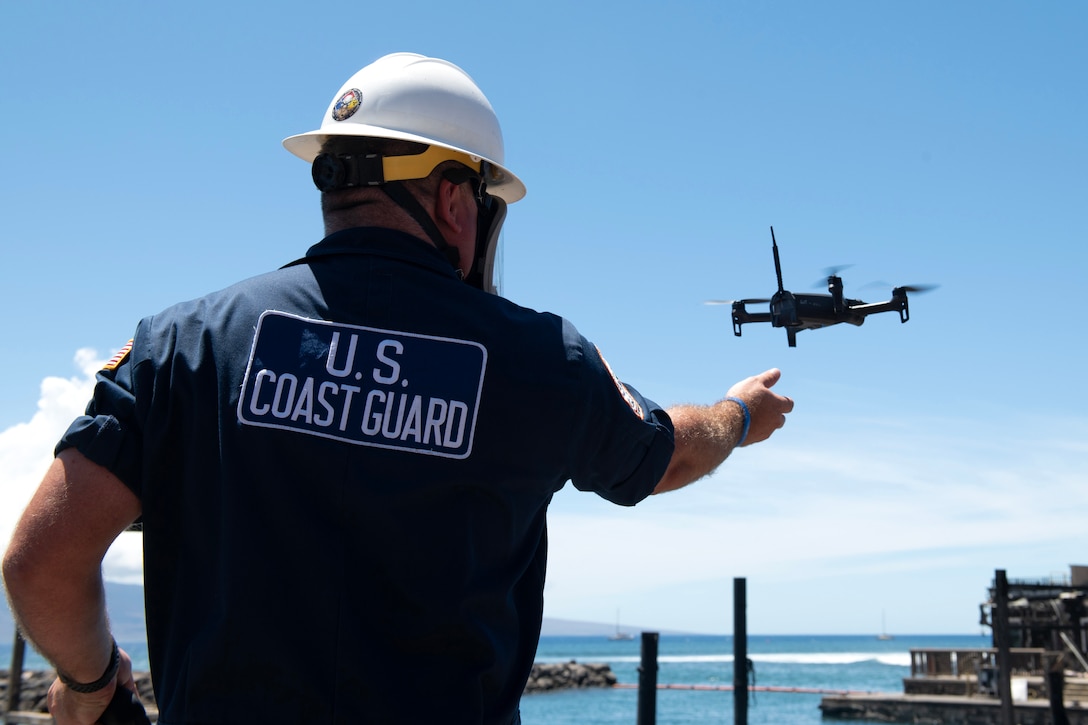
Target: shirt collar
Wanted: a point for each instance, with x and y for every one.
(380, 242)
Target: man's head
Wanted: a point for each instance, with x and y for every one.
(421, 132)
(445, 206)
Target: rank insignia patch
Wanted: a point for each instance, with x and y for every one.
(119, 357)
(624, 392)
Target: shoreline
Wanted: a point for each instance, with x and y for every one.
(544, 677)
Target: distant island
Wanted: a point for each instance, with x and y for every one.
(552, 627)
(125, 602)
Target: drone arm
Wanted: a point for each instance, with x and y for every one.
(741, 315)
(897, 304)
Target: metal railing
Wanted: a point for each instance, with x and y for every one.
(966, 662)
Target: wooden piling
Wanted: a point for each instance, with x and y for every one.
(740, 652)
(1001, 635)
(15, 676)
(647, 680)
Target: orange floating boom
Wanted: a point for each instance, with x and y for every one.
(757, 688)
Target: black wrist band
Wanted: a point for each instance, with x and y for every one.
(101, 682)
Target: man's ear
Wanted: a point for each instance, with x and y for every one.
(449, 206)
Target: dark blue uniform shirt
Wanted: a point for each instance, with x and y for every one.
(344, 468)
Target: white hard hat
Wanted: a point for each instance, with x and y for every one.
(410, 97)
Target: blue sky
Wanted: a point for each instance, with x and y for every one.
(920, 142)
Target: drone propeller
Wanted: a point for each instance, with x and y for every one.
(914, 288)
(830, 272)
(918, 288)
(731, 302)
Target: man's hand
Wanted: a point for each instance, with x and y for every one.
(768, 409)
(706, 435)
(73, 708)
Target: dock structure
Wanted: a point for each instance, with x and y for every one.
(958, 687)
(942, 709)
(1035, 674)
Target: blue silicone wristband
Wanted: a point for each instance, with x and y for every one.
(747, 419)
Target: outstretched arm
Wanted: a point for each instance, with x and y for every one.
(707, 434)
(53, 576)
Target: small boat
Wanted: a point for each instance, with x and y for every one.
(883, 630)
(620, 635)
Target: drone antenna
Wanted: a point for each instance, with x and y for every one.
(777, 263)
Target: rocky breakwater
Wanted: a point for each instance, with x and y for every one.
(566, 675)
(543, 678)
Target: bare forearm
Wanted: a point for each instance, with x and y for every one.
(52, 568)
(63, 616)
(706, 435)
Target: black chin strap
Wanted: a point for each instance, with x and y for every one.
(404, 199)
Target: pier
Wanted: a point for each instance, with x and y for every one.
(1035, 674)
(945, 709)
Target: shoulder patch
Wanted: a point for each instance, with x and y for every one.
(119, 358)
(624, 392)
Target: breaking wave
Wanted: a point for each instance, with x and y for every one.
(894, 659)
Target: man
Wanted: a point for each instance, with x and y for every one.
(343, 467)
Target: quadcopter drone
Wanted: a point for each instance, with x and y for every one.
(797, 312)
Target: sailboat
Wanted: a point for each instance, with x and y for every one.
(883, 630)
(620, 635)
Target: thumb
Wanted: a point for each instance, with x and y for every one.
(770, 377)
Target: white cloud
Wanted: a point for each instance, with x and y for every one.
(26, 451)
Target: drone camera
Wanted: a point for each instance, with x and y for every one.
(784, 310)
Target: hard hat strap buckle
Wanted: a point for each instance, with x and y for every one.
(345, 171)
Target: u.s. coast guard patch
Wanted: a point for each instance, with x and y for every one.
(363, 385)
(624, 392)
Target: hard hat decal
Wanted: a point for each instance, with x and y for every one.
(347, 104)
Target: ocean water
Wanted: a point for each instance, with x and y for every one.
(836, 663)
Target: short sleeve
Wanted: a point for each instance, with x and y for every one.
(626, 439)
(108, 432)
